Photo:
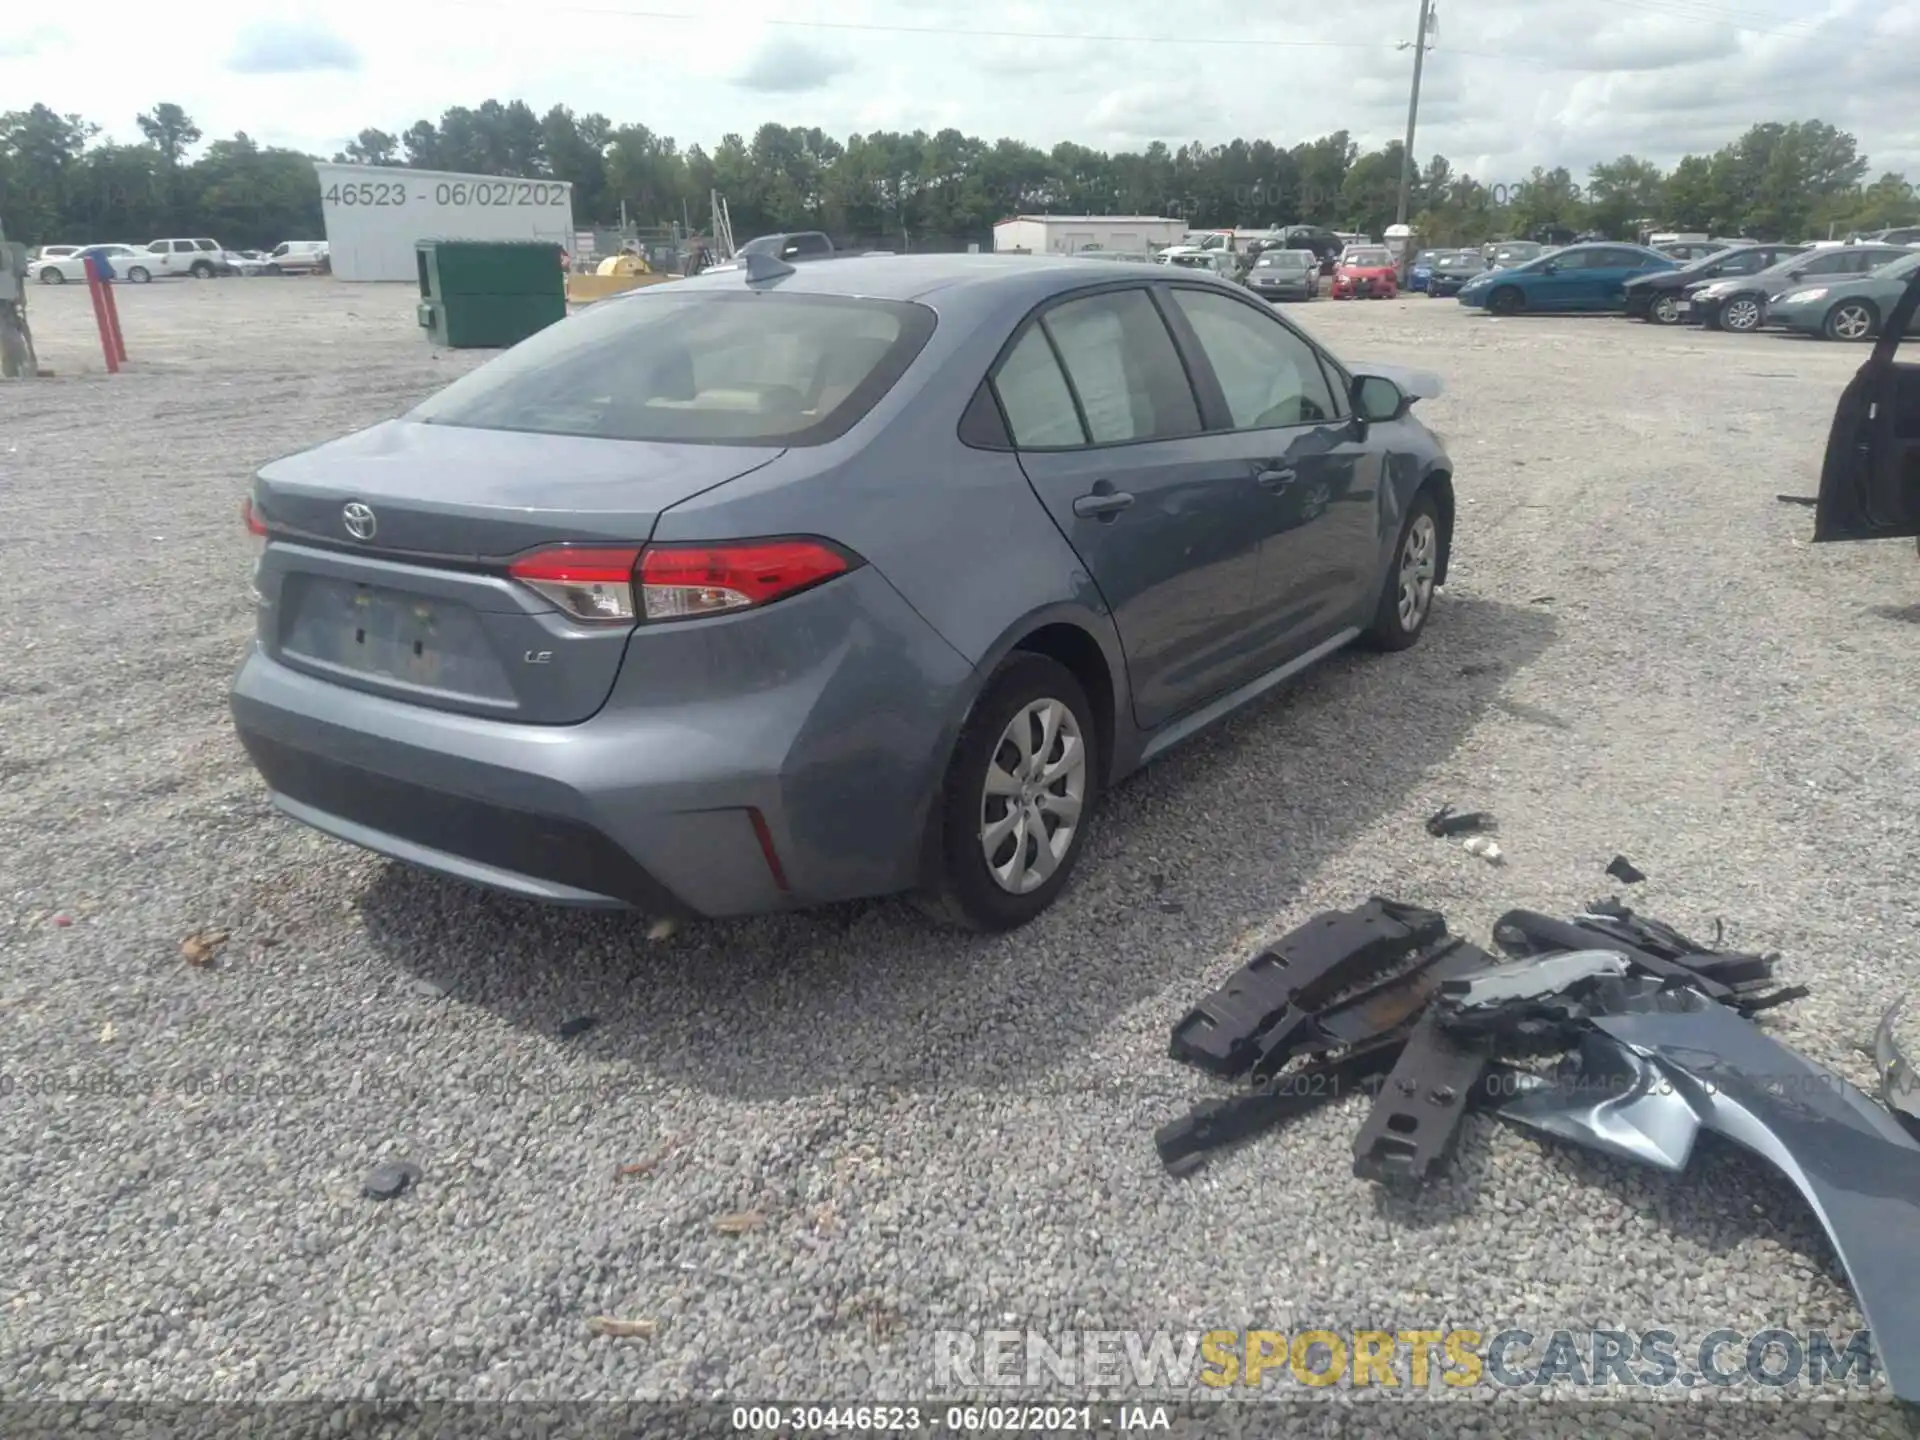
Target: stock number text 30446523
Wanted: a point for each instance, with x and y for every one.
(491, 193)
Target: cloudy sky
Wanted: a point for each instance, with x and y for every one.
(1509, 83)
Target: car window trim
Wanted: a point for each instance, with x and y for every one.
(1187, 332)
(1038, 313)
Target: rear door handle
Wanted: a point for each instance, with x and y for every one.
(1276, 479)
(1102, 504)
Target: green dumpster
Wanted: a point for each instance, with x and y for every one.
(489, 294)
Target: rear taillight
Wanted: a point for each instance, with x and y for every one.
(256, 531)
(593, 584)
(681, 582)
(677, 582)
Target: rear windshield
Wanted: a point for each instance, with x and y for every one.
(1368, 257)
(747, 368)
(1284, 260)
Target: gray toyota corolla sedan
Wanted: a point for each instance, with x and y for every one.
(788, 585)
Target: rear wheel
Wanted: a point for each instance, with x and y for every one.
(200, 270)
(1406, 593)
(1019, 792)
(53, 275)
(1851, 320)
(1740, 314)
(1665, 310)
(1505, 301)
(138, 274)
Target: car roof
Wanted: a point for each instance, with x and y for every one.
(913, 277)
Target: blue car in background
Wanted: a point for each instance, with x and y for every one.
(1579, 278)
(1422, 273)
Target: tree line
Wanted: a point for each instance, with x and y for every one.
(1779, 180)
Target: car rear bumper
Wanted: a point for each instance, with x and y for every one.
(805, 782)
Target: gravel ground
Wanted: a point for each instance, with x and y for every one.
(1639, 653)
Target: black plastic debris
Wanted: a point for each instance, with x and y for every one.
(1279, 989)
(1384, 989)
(1446, 821)
(1625, 871)
(1807, 500)
(1213, 1125)
(390, 1179)
(579, 1025)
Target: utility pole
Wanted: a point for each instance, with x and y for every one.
(1422, 42)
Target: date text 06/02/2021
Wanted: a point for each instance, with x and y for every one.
(956, 1419)
(491, 194)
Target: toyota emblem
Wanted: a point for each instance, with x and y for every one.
(359, 521)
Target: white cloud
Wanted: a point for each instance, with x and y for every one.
(1512, 83)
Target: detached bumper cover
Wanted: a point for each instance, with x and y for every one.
(1650, 1082)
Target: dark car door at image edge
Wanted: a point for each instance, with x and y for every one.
(1870, 482)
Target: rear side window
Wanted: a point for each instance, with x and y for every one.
(1034, 394)
(1751, 263)
(722, 369)
(1123, 368)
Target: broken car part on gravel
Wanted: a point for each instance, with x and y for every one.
(1659, 1041)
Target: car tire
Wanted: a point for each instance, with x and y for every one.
(974, 882)
(1406, 591)
(138, 274)
(1741, 315)
(1664, 310)
(200, 270)
(275, 270)
(1851, 320)
(51, 276)
(1505, 301)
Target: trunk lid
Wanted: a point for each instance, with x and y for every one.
(415, 603)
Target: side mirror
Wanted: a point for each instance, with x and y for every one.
(1377, 399)
(1552, 267)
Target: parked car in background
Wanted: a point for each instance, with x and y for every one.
(1739, 303)
(1505, 254)
(1848, 307)
(1323, 242)
(201, 259)
(1223, 263)
(247, 262)
(1285, 275)
(1578, 278)
(1661, 295)
(297, 257)
(128, 262)
(1903, 235)
(1151, 500)
(1870, 483)
(54, 252)
(1366, 272)
(1687, 251)
(799, 245)
(1421, 271)
(1451, 270)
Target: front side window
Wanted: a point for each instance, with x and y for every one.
(746, 369)
(1269, 375)
(1123, 367)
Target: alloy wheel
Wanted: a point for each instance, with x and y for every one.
(1740, 313)
(1666, 310)
(1417, 560)
(1035, 789)
(1851, 322)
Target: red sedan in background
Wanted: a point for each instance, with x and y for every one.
(1366, 273)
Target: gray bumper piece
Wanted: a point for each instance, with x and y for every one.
(1648, 1082)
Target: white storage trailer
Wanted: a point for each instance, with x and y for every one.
(1069, 234)
(376, 214)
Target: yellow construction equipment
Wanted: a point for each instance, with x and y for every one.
(625, 271)
(624, 264)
